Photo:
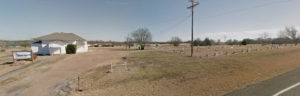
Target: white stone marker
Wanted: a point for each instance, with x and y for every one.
(216, 54)
(182, 50)
(207, 55)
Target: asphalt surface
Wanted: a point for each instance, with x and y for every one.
(293, 92)
(272, 86)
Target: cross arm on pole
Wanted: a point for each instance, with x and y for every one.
(194, 5)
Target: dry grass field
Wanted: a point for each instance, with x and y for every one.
(6, 60)
(152, 72)
(164, 73)
(203, 51)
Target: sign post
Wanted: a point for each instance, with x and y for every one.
(23, 55)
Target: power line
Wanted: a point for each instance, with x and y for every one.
(252, 7)
(221, 14)
(249, 8)
(177, 24)
(166, 21)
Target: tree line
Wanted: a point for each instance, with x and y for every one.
(287, 36)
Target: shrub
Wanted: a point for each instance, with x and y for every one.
(175, 41)
(198, 42)
(107, 45)
(247, 41)
(71, 49)
(232, 42)
(2, 50)
(244, 42)
(142, 47)
(207, 42)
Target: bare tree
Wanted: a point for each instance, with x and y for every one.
(175, 41)
(264, 36)
(263, 39)
(225, 38)
(142, 36)
(289, 32)
(129, 42)
(218, 42)
(282, 34)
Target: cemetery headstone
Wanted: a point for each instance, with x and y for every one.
(249, 50)
(207, 55)
(227, 53)
(182, 50)
(216, 54)
(234, 52)
(243, 51)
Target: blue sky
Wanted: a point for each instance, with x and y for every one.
(115, 19)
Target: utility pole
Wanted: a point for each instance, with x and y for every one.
(194, 4)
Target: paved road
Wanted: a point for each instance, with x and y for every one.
(283, 85)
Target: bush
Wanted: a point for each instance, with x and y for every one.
(232, 42)
(247, 41)
(2, 50)
(207, 42)
(107, 45)
(175, 41)
(244, 42)
(143, 47)
(71, 49)
(197, 42)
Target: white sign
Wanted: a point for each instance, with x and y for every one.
(22, 55)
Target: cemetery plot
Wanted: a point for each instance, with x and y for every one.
(159, 72)
(221, 50)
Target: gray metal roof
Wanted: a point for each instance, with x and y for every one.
(57, 42)
(61, 36)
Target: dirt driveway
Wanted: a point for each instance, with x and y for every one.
(41, 80)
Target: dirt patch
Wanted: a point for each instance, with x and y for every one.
(45, 77)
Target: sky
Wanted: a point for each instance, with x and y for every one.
(116, 19)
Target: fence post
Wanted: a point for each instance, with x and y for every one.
(12, 53)
(111, 67)
(78, 84)
(126, 66)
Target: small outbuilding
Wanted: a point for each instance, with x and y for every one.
(56, 43)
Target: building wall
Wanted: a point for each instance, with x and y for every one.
(57, 48)
(45, 48)
(42, 48)
(35, 48)
(82, 48)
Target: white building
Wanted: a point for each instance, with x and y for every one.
(56, 43)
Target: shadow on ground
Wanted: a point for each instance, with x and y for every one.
(7, 63)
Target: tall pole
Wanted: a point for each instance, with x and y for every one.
(192, 41)
(194, 3)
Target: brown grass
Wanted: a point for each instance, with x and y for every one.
(160, 73)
